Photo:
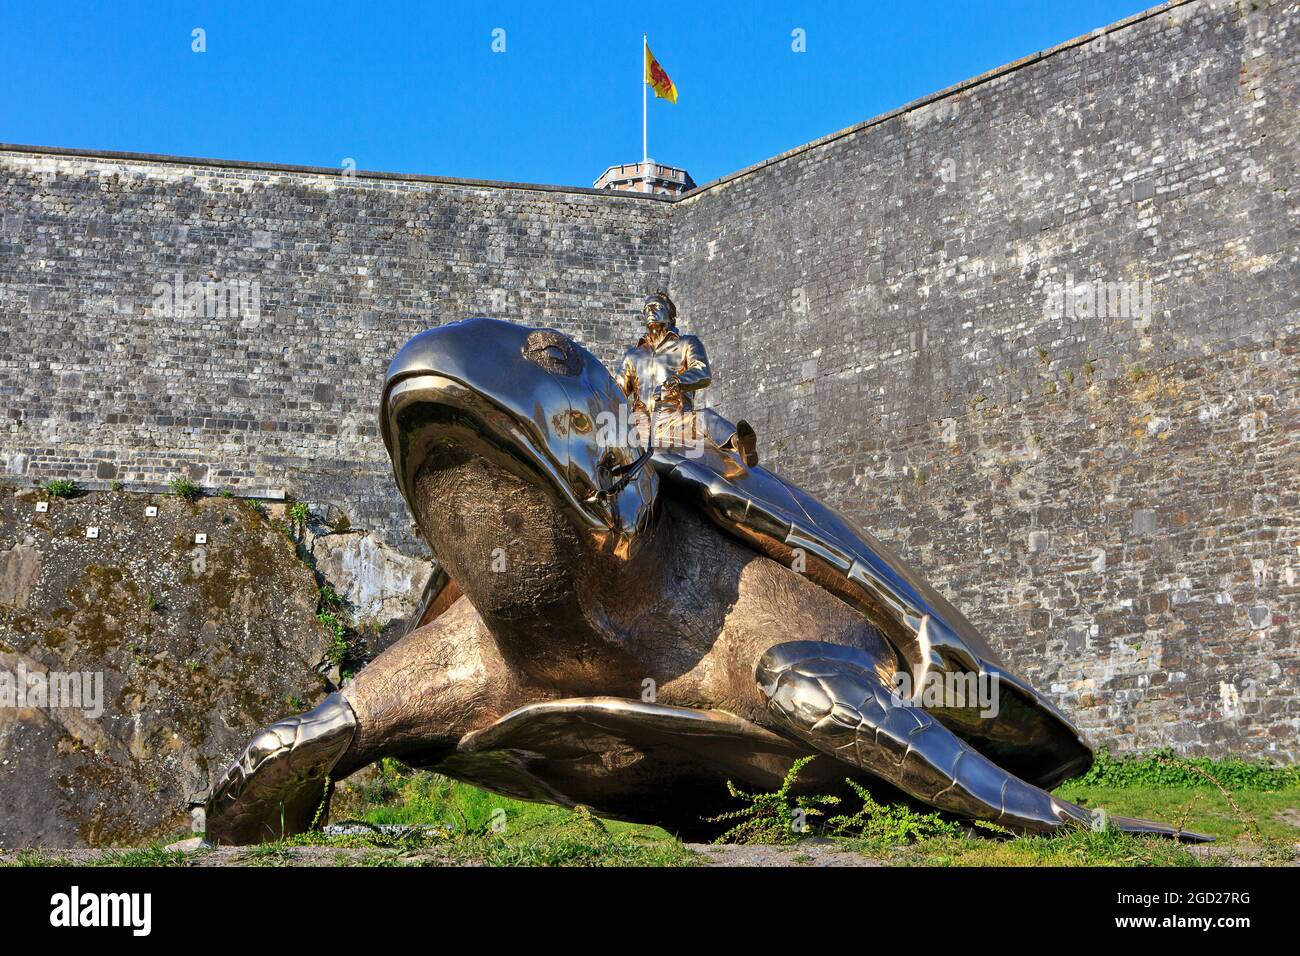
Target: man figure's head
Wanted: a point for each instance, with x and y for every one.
(660, 317)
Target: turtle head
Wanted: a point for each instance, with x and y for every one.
(506, 444)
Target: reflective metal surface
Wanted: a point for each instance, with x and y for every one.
(661, 375)
(277, 785)
(630, 631)
(634, 761)
(834, 698)
(931, 637)
(665, 368)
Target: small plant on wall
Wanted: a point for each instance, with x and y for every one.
(299, 514)
(182, 487)
(60, 488)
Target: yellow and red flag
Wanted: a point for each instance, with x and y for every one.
(657, 78)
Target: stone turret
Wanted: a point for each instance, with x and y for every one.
(647, 177)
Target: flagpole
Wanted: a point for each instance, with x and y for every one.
(645, 149)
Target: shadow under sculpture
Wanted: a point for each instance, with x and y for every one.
(629, 629)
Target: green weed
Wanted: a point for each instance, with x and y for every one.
(182, 487)
(60, 488)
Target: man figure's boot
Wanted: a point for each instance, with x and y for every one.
(745, 443)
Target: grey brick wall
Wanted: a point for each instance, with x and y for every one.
(100, 380)
(1112, 498)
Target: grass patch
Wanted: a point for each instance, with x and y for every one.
(455, 823)
(267, 854)
(473, 825)
(38, 857)
(1073, 848)
(467, 824)
(1166, 769)
(1204, 810)
(775, 818)
(1242, 803)
(145, 856)
(153, 855)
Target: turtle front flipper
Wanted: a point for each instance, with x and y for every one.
(837, 699)
(277, 786)
(414, 701)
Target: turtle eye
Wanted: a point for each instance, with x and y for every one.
(552, 351)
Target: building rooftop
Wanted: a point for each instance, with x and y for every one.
(647, 177)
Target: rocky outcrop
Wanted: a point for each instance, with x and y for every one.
(138, 652)
(379, 585)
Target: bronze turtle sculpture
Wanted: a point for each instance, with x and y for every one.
(629, 629)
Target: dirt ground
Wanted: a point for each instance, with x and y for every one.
(806, 854)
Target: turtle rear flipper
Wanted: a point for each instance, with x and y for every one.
(836, 698)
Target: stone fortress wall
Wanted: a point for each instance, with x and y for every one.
(1109, 492)
(233, 323)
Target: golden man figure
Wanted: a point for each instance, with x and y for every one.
(660, 376)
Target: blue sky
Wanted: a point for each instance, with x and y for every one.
(416, 87)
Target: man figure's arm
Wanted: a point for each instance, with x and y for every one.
(626, 379)
(694, 373)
